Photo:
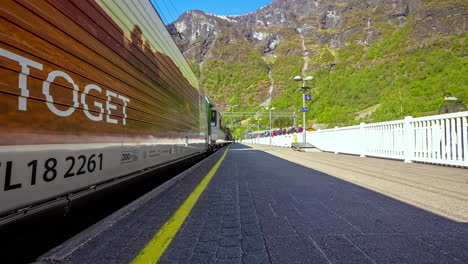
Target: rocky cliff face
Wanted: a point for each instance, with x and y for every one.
(324, 22)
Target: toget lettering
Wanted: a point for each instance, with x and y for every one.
(110, 106)
(26, 63)
(23, 76)
(88, 88)
(50, 99)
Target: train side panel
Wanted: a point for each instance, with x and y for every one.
(90, 91)
(221, 128)
(218, 132)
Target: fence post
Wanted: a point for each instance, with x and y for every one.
(362, 140)
(335, 147)
(408, 139)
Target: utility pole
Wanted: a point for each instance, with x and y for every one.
(271, 129)
(304, 89)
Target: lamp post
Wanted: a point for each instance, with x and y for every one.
(258, 123)
(233, 121)
(270, 108)
(303, 89)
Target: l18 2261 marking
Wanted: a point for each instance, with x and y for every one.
(49, 170)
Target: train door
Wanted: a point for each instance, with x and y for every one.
(214, 118)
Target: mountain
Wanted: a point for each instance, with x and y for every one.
(396, 57)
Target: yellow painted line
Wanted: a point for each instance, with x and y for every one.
(156, 247)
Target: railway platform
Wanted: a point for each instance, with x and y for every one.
(260, 204)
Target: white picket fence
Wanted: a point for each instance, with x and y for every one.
(440, 139)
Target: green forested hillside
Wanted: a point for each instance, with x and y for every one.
(235, 71)
(404, 72)
(404, 80)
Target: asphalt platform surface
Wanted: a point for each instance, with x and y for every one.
(260, 208)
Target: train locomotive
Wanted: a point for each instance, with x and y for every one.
(92, 91)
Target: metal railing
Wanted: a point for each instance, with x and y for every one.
(441, 139)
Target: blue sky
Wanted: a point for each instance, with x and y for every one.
(170, 10)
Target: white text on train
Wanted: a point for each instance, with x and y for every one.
(26, 63)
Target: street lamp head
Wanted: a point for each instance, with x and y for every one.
(297, 78)
(309, 78)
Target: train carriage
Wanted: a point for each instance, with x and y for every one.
(91, 91)
(218, 133)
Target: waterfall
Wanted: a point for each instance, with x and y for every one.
(305, 55)
(270, 89)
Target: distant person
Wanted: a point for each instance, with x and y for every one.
(300, 129)
(451, 105)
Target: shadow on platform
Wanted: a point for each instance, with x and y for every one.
(261, 208)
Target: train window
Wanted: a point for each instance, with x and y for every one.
(213, 118)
